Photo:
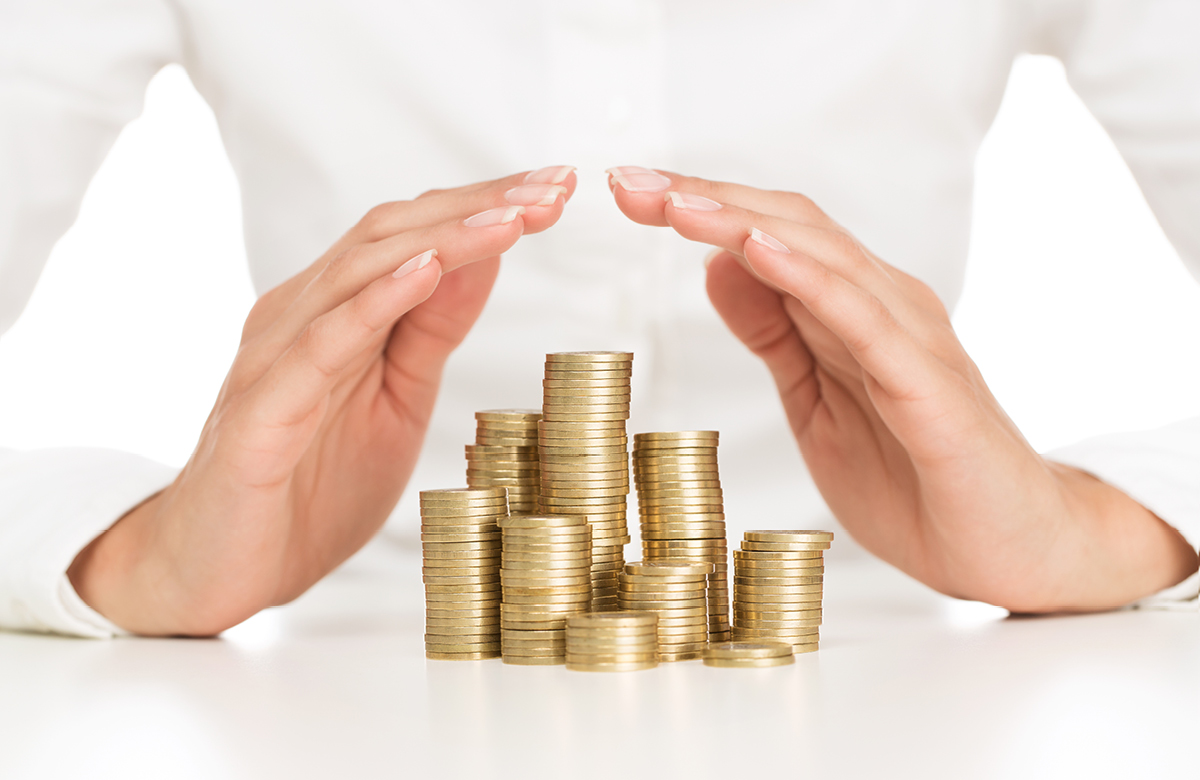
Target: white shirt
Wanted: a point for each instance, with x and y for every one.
(875, 109)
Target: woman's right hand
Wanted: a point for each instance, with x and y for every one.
(318, 425)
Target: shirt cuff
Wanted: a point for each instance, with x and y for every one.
(53, 503)
(1160, 469)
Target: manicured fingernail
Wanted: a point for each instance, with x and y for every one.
(688, 202)
(501, 215)
(708, 258)
(555, 174)
(416, 264)
(535, 194)
(768, 241)
(635, 179)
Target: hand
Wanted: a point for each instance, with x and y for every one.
(318, 425)
(908, 446)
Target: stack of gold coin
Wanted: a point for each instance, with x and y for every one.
(749, 655)
(507, 427)
(545, 576)
(505, 455)
(777, 586)
(676, 591)
(682, 509)
(612, 641)
(461, 544)
(584, 455)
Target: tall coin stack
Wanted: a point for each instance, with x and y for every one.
(584, 455)
(676, 591)
(777, 587)
(612, 641)
(461, 545)
(682, 509)
(545, 574)
(505, 455)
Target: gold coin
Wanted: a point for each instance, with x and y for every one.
(607, 433)
(642, 451)
(782, 582)
(763, 556)
(435, 656)
(488, 622)
(642, 585)
(519, 661)
(776, 590)
(438, 644)
(783, 546)
(612, 658)
(508, 415)
(669, 616)
(677, 436)
(459, 495)
(572, 529)
(757, 568)
(748, 649)
(584, 417)
(669, 568)
(613, 622)
(672, 606)
(539, 522)
(748, 663)
(551, 452)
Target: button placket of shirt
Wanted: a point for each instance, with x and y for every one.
(609, 104)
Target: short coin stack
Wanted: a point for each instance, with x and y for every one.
(461, 545)
(612, 641)
(749, 655)
(584, 455)
(676, 591)
(505, 455)
(682, 509)
(777, 587)
(545, 574)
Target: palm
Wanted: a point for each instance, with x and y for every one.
(361, 455)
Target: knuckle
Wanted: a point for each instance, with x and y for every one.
(377, 221)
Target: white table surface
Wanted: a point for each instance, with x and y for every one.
(907, 684)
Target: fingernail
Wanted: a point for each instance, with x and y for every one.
(635, 179)
(501, 215)
(555, 174)
(535, 194)
(708, 258)
(688, 202)
(416, 264)
(768, 241)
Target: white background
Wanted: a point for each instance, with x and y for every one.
(1076, 307)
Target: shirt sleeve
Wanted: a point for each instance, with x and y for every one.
(72, 74)
(1136, 65)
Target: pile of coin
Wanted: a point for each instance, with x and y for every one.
(461, 542)
(612, 641)
(676, 591)
(505, 455)
(682, 509)
(584, 455)
(545, 577)
(777, 587)
(748, 655)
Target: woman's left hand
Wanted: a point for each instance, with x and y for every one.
(909, 447)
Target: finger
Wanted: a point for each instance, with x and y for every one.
(284, 404)
(543, 193)
(455, 243)
(639, 194)
(729, 227)
(755, 314)
(893, 360)
(424, 338)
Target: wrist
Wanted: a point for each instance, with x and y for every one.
(106, 573)
(1116, 550)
